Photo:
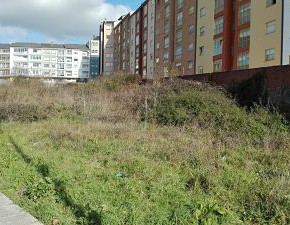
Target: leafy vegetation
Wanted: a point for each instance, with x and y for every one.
(116, 152)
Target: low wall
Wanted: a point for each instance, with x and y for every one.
(267, 85)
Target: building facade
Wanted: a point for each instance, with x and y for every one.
(67, 61)
(107, 47)
(185, 37)
(4, 59)
(164, 37)
(241, 35)
(132, 43)
(94, 46)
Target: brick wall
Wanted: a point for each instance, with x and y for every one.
(276, 77)
(268, 85)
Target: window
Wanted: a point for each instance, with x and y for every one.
(144, 61)
(179, 4)
(244, 38)
(190, 47)
(243, 61)
(190, 64)
(166, 42)
(109, 64)
(202, 12)
(201, 50)
(20, 50)
(166, 27)
(200, 69)
(109, 55)
(219, 25)
(219, 6)
(270, 3)
(167, 12)
(145, 9)
(218, 46)
(202, 31)
(218, 65)
(191, 28)
(36, 64)
(178, 53)
(270, 54)
(179, 36)
(270, 27)
(179, 18)
(191, 10)
(145, 48)
(145, 22)
(145, 35)
(166, 57)
(245, 13)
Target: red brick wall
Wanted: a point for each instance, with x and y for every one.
(276, 76)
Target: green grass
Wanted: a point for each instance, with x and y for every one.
(66, 165)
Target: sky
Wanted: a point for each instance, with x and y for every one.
(58, 21)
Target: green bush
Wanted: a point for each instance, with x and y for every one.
(215, 111)
(21, 112)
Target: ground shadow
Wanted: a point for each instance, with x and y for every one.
(85, 215)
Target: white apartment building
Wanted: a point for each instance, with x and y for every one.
(69, 61)
(4, 59)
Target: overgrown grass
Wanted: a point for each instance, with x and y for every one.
(115, 152)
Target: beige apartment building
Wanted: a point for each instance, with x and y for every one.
(107, 47)
(247, 34)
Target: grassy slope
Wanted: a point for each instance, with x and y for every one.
(64, 166)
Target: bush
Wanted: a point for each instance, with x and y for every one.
(215, 111)
(21, 112)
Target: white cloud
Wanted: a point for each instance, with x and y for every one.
(12, 31)
(56, 18)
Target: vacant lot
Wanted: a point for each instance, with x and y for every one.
(115, 152)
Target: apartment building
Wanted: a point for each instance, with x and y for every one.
(69, 61)
(4, 59)
(107, 47)
(164, 37)
(122, 44)
(175, 37)
(138, 40)
(94, 46)
(133, 43)
(187, 37)
(242, 34)
(148, 39)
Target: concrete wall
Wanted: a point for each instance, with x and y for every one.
(286, 36)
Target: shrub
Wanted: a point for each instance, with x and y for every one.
(212, 109)
(21, 112)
